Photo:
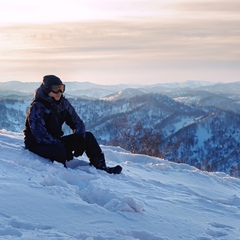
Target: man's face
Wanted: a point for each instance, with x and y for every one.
(56, 96)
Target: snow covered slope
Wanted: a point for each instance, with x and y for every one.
(151, 199)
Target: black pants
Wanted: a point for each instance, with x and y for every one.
(71, 145)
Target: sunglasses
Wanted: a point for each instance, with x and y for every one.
(58, 88)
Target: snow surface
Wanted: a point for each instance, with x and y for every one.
(153, 199)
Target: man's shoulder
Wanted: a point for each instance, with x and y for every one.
(39, 102)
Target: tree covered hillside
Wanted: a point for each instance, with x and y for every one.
(181, 127)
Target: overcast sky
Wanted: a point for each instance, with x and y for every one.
(120, 41)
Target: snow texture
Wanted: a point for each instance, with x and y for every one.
(152, 199)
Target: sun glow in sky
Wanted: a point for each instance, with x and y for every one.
(119, 41)
(35, 11)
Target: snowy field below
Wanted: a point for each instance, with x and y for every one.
(152, 199)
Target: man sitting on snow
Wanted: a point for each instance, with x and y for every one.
(43, 133)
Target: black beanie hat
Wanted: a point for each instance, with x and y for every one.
(48, 81)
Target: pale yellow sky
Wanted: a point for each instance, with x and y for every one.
(118, 41)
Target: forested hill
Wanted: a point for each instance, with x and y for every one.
(198, 126)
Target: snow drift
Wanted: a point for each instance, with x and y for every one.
(152, 198)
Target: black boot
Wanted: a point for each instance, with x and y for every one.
(99, 163)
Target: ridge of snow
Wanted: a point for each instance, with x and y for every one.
(152, 198)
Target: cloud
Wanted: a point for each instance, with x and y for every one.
(212, 5)
(118, 39)
(193, 42)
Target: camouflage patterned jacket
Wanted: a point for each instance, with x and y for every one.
(45, 118)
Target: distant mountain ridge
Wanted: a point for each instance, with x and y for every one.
(97, 91)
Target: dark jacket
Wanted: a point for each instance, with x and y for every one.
(45, 118)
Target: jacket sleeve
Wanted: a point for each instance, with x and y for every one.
(74, 121)
(37, 124)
